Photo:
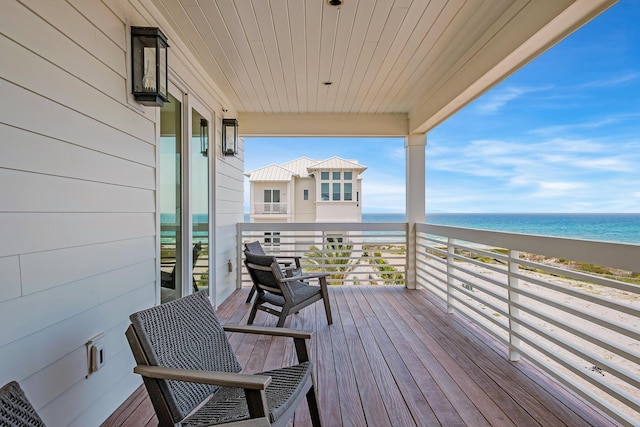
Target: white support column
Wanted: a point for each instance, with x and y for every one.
(414, 145)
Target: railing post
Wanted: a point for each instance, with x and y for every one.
(450, 260)
(410, 277)
(411, 257)
(514, 312)
(323, 251)
(239, 263)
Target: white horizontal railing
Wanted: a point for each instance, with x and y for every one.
(270, 208)
(571, 307)
(353, 253)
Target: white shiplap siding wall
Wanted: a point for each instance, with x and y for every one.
(77, 191)
(229, 212)
(78, 199)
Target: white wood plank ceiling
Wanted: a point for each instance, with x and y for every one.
(416, 61)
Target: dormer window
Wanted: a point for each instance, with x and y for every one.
(336, 186)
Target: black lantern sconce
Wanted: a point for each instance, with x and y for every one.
(149, 66)
(229, 137)
(204, 137)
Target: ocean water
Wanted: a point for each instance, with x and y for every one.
(621, 228)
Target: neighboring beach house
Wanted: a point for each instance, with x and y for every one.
(306, 190)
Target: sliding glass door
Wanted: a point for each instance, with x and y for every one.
(184, 196)
(170, 197)
(200, 211)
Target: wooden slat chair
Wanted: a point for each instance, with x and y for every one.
(15, 408)
(275, 289)
(192, 375)
(290, 264)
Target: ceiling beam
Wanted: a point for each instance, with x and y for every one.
(323, 124)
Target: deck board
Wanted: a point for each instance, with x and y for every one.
(393, 357)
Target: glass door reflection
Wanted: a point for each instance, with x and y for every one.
(170, 200)
(200, 200)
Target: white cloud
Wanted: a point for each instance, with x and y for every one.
(613, 81)
(615, 164)
(574, 126)
(560, 186)
(493, 101)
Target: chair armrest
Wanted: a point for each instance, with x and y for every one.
(225, 379)
(299, 337)
(304, 276)
(253, 422)
(264, 330)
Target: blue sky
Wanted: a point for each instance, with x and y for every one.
(560, 135)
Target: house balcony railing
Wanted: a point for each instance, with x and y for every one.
(570, 307)
(270, 208)
(353, 253)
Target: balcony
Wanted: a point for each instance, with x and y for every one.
(502, 328)
(549, 301)
(273, 208)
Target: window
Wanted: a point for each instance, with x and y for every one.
(339, 183)
(336, 243)
(336, 191)
(348, 194)
(271, 201)
(272, 196)
(325, 191)
(305, 195)
(272, 238)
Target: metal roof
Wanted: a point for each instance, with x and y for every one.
(302, 167)
(337, 163)
(271, 173)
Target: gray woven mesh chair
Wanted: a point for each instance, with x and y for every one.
(185, 359)
(277, 290)
(289, 264)
(15, 408)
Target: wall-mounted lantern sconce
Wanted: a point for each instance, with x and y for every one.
(229, 137)
(204, 137)
(149, 66)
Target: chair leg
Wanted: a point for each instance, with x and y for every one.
(283, 316)
(314, 411)
(251, 292)
(325, 300)
(254, 310)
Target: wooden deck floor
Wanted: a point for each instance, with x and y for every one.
(393, 357)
